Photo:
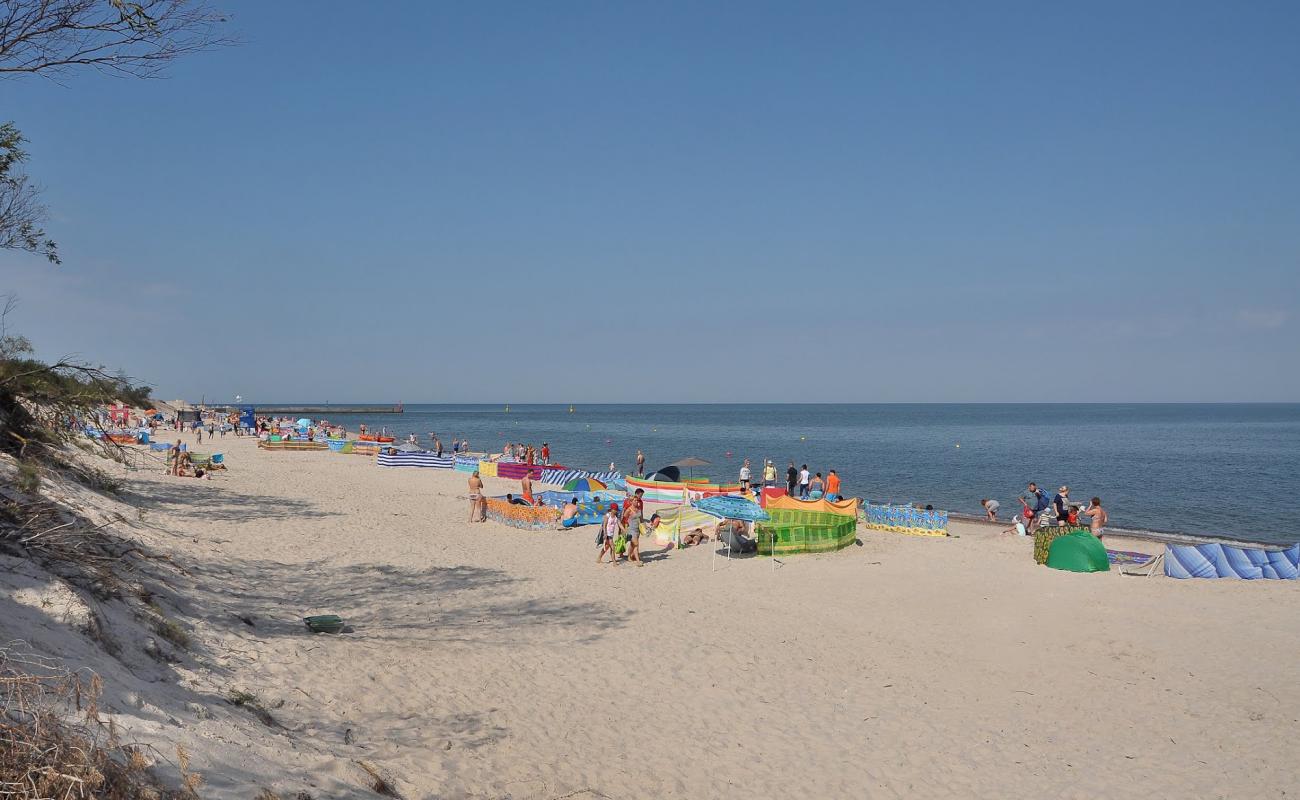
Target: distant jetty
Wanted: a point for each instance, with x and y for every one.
(397, 409)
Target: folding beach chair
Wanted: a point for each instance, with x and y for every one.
(1139, 564)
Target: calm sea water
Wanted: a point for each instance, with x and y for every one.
(1217, 469)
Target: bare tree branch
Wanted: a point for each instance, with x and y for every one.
(119, 37)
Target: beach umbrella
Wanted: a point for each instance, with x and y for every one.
(731, 507)
(304, 423)
(585, 485)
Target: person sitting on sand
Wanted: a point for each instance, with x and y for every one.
(1017, 529)
(1097, 517)
(733, 533)
(477, 504)
(990, 509)
(569, 514)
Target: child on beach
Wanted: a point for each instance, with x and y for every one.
(991, 508)
(609, 530)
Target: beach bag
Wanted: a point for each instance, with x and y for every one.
(600, 535)
(620, 545)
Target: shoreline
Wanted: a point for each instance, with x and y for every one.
(483, 660)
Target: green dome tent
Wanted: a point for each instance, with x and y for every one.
(1078, 552)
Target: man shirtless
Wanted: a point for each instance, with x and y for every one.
(1098, 517)
(526, 484)
(477, 503)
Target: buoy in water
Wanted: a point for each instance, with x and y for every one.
(959, 445)
(803, 438)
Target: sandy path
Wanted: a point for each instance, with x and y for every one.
(490, 662)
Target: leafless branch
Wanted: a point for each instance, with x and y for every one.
(118, 37)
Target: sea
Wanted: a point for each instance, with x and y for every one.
(1225, 470)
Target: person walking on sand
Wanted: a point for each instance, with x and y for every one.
(609, 530)
(632, 510)
(1036, 504)
(791, 479)
(477, 504)
(1097, 517)
(640, 463)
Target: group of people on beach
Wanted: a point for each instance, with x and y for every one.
(527, 453)
(458, 445)
(1037, 510)
(799, 482)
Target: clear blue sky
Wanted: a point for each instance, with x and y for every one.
(746, 201)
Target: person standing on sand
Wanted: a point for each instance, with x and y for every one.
(1097, 517)
(632, 510)
(526, 484)
(791, 479)
(477, 504)
(769, 474)
(832, 486)
(803, 482)
(1062, 504)
(609, 530)
(745, 476)
(437, 446)
(640, 463)
(1035, 503)
(546, 454)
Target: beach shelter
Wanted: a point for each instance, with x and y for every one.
(667, 475)
(304, 423)
(585, 485)
(731, 507)
(1079, 551)
(688, 463)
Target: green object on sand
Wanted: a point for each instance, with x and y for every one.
(1079, 551)
(324, 623)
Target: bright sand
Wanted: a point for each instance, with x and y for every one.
(486, 661)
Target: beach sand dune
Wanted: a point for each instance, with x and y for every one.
(484, 661)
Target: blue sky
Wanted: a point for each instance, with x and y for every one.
(583, 202)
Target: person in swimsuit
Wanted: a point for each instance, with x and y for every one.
(609, 527)
(640, 464)
(526, 483)
(1097, 517)
(477, 505)
(745, 476)
(569, 516)
(631, 523)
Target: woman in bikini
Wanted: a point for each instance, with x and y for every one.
(1097, 516)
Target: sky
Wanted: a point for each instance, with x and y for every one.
(683, 202)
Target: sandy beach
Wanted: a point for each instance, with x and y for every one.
(484, 661)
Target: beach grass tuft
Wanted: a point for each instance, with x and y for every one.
(379, 783)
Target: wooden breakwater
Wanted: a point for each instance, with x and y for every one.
(326, 410)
